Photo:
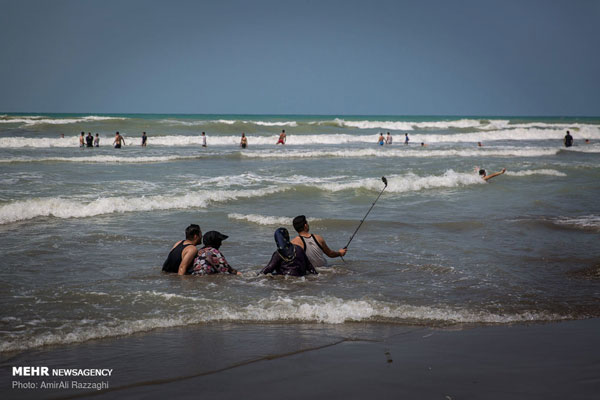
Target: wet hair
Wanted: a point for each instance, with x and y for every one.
(482, 172)
(299, 223)
(82, 133)
(191, 231)
(203, 133)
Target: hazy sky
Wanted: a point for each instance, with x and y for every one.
(435, 57)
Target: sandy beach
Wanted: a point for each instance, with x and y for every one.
(536, 361)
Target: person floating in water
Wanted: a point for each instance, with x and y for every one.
(568, 140)
(406, 139)
(488, 177)
(381, 139)
(209, 259)
(244, 141)
(289, 259)
(203, 139)
(313, 245)
(144, 139)
(97, 141)
(118, 140)
(388, 139)
(89, 140)
(184, 252)
(282, 137)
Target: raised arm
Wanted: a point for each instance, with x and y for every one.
(488, 177)
(330, 253)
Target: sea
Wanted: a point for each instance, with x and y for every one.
(84, 231)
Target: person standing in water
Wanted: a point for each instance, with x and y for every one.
(313, 245)
(184, 252)
(381, 139)
(89, 140)
(118, 140)
(244, 141)
(406, 139)
(81, 140)
(388, 139)
(568, 140)
(203, 139)
(282, 137)
(144, 139)
(486, 177)
(97, 141)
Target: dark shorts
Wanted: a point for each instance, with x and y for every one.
(117, 146)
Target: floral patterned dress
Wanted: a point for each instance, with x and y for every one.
(211, 261)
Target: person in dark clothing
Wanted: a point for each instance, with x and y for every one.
(182, 254)
(89, 140)
(289, 259)
(568, 139)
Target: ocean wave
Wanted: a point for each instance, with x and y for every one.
(300, 309)
(265, 219)
(586, 222)
(550, 172)
(39, 120)
(403, 125)
(402, 152)
(100, 159)
(409, 182)
(71, 208)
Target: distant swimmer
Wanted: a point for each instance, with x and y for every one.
(406, 139)
(479, 144)
(82, 140)
(488, 177)
(282, 137)
(289, 259)
(62, 135)
(97, 141)
(203, 139)
(381, 139)
(568, 140)
(209, 259)
(182, 254)
(118, 140)
(244, 141)
(89, 140)
(587, 141)
(388, 139)
(313, 245)
(144, 139)
(423, 144)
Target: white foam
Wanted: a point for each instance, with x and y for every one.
(264, 219)
(100, 159)
(403, 125)
(583, 222)
(551, 172)
(37, 120)
(402, 152)
(71, 208)
(327, 309)
(409, 182)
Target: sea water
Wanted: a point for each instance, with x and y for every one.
(84, 231)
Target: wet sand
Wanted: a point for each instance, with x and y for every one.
(356, 361)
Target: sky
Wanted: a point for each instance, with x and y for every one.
(428, 57)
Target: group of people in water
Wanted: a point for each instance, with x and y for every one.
(90, 141)
(297, 257)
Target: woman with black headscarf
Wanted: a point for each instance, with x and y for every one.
(289, 259)
(209, 259)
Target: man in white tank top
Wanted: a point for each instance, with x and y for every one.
(314, 245)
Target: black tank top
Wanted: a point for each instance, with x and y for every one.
(173, 260)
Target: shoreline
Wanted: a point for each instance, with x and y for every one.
(537, 360)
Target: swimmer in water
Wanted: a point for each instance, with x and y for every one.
(486, 177)
(388, 139)
(244, 141)
(381, 139)
(144, 139)
(118, 140)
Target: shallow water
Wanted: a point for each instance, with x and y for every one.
(84, 232)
